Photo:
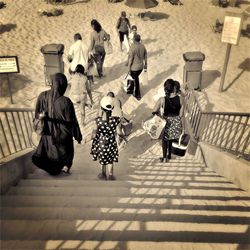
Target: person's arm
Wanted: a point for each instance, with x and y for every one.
(118, 24)
(156, 109)
(119, 132)
(182, 106)
(92, 42)
(71, 117)
(130, 58)
(128, 22)
(71, 54)
(39, 105)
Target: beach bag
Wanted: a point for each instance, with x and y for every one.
(144, 78)
(126, 43)
(128, 84)
(154, 126)
(108, 47)
(126, 126)
(38, 126)
(179, 148)
(38, 123)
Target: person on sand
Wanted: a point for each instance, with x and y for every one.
(80, 88)
(123, 27)
(132, 34)
(98, 36)
(173, 128)
(137, 60)
(78, 54)
(55, 151)
(104, 146)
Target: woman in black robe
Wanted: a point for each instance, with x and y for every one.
(56, 149)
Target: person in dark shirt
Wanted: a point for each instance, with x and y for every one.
(55, 151)
(123, 27)
(97, 38)
(137, 61)
(169, 108)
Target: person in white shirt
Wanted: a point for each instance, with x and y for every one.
(78, 54)
(132, 34)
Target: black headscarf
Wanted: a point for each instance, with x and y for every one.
(59, 85)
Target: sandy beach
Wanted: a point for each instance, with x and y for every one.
(183, 28)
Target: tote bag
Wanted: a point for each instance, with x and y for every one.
(108, 47)
(128, 84)
(154, 126)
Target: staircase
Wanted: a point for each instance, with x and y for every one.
(176, 205)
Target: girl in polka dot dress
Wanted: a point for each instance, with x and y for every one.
(104, 146)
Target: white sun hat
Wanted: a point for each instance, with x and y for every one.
(107, 103)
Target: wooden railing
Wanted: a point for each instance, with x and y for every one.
(229, 131)
(226, 130)
(15, 130)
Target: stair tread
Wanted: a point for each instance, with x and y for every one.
(112, 245)
(236, 203)
(114, 213)
(120, 230)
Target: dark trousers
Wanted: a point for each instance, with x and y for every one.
(99, 60)
(166, 148)
(135, 76)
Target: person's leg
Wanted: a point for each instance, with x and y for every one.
(135, 76)
(103, 54)
(83, 104)
(169, 148)
(121, 37)
(98, 62)
(111, 172)
(91, 81)
(88, 88)
(102, 175)
(164, 150)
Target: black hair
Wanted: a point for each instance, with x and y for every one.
(123, 14)
(79, 69)
(169, 87)
(96, 25)
(111, 94)
(137, 38)
(77, 36)
(177, 87)
(133, 27)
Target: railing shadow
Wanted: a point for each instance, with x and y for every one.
(245, 67)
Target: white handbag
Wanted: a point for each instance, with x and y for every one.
(144, 78)
(126, 43)
(127, 83)
(154, 126)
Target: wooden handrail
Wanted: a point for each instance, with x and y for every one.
(15, 130)
(229, 131)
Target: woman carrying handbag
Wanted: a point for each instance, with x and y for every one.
(169, 107)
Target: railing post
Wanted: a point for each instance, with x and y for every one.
(241, 135)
